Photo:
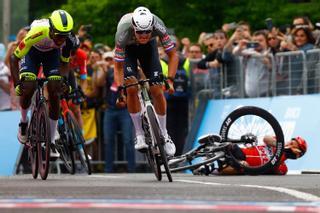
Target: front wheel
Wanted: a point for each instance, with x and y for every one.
(159, 140)
(78, 142)
(43, 143)
(64, 147)
(248, 126)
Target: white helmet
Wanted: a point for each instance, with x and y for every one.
(142, 19)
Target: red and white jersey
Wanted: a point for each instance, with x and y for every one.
(78, 63)
(259, 155)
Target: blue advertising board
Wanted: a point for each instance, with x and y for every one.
(297, 115)
(9, 147)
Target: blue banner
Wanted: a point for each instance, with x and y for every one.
(9, 147)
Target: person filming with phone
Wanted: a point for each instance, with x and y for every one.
(257, 64)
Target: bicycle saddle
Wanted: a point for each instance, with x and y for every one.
(209, 138)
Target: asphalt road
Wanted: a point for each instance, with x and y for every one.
(143, 193)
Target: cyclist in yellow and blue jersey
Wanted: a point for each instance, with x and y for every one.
(46, 45)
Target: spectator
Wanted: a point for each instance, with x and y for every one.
(209, 42)
(194, 52)
(213, 62)
(274, 42)
(5, 103)
(302, 40)
(11, 47)
(257, 65)
(116, 116)
(88, 108)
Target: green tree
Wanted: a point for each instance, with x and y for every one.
(186, 17)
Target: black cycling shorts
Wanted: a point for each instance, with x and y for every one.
(148, 57)
(50, 62)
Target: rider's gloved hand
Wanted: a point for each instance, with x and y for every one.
(170, 88)
(18, 89)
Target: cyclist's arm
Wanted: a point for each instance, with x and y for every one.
(119, 59)
(172, 63)
(35, 35)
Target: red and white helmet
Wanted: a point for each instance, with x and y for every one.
(302, 144)
(142, 19)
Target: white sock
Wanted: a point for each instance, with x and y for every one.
(53, 128)
(163, 124)
(24, 115)
(136, 119)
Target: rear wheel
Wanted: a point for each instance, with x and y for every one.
(78, 142)
(159, 140)
(247, 126)
(44, 141)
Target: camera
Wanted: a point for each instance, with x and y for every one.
(269, 24)
(252, 44)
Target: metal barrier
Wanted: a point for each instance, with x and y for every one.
(292, 73)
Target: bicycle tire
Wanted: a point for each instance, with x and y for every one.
(154, 127)
(154, 164)
(32, 146)
(258, 114)
(78, 142)
(64, 147)
(44, 140)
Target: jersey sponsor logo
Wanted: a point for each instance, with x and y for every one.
(36, 35)
(160, 27)
(122, 36)
(22, 45)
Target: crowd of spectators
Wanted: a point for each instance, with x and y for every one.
(220, 60)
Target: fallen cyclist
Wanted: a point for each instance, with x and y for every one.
(254, 155)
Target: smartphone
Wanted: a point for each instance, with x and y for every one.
(252, 44)
(269, 24)
(232, 25)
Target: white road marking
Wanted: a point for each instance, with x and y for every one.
(294, 193)
(106, 176)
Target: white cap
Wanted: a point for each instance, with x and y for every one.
(107, 55)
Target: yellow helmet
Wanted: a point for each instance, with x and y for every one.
(61, 22)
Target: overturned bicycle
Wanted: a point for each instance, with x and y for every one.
(244, 128)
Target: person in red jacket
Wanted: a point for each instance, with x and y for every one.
(256, 155)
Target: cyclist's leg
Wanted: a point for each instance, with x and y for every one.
(152, 68)
(28, 70)
(51, 64)
(133, 102)
(149, 60)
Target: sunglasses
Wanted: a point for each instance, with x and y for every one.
(140, 32)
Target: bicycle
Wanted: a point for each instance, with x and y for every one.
(246, 127)
(39, 140)
(155, 153)
(71, 144)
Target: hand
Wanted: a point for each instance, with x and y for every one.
(121, 101)
(185, 41)
(170, 90)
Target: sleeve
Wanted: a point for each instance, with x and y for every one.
(203, 63)
(35, 35)
(161, 31)
(83, 65)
